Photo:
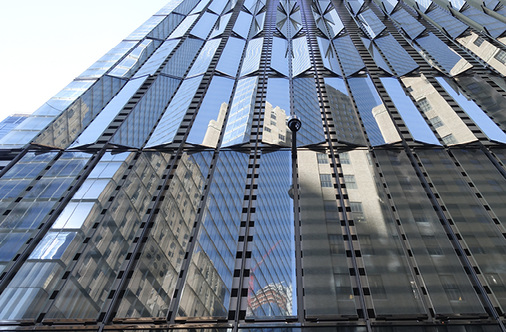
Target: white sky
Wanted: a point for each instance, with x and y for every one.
(45, 44)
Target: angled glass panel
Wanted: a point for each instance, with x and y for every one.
(208, 285)
(277, 109)
(486, 124)
(182, 58)
(279, 60)
(333, 22)
(206, 128)
(250, 5)
(155, 61)
(307, 108)
(441, 116)
(389, 5)
(348, 127)
(169, 123)
(450, 24)
(447, 59)
(204, 25)
(183, 27)
(217, 6)
(355, 5)
(377, 56)
(491, 101)
(145, 28)
(102, 121)
(429, 243)
(328, 56)
(371, 23)
(251, 61)
(348, 54)
(328, 291)
(484, 240)
(295, 21)
(396, 55)
(220, 27)
(410, 115)
(242, 24)
(166, 26)
(200, 6)
(281, 21)
(408, 23)
(457, 4)
(258, 24)
(204, 59)
(231, 56)
(391, 283)
(152, 284)
(185, 7)
(374, 114)
(271, 290)
(300, 61)
(108, 60)
(134, 131)
(493, 26)
(423, 5)
(169, 8)
(238, 127)
(132, 61)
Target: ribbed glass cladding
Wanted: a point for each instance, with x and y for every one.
(162, 189)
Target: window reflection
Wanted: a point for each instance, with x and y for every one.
(277, 109)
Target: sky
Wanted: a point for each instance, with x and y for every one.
(45, 44)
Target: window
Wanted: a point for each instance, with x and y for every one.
(330, 208)
(436, 122)
(501, 57)
(410, 89)
(424, 105)
(357, 211)
(273, 116)
(449, 139)
(334, 243)
(281, 137)
(326, 180)
(450, 286)
(432, 245)
(376, 286)
(267, 129)
(322, 158)
(350, 182)
(273, 123)
(344, 157)
(478, 41)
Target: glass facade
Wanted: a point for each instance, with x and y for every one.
(163, 190)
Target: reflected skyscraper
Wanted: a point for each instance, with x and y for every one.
(162, 190)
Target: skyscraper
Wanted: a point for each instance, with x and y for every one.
(163, 190)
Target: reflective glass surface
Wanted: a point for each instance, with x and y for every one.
(451, 25)
(408, 23)
(108, 60)
(370, 23)
(182, 58)
(251, 61)
(333, 22)
(300, 60)
(183, 27)
(279, 60)
(348, 54)
(131, 62)
(307, 108)
(396, 55)
(220, 27)
(207, 288)
(231, 56)
(242, 24)
(328, 56)
(210, 118)
(204, 59)
(155, 61)
(204, 25)
(493, 26)
(277, 109)
(169, 123)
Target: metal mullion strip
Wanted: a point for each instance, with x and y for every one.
(55, 212)
(321, 90)
(463, 258)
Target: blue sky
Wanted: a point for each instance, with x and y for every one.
(46, 43)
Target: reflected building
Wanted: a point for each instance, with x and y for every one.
(161, 190)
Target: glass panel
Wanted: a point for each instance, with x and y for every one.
(200, 6)
(375, 117)
(333, 22)
(371, 23)
(483, 238)
(258, 24)
(204, 59)
(475, 113)
(242, 24)
(152, 284)
(377, 56)
(207, 126)
(429, 243)
(183, 27)
(102, 121)
(271, 291)
(231, 56)
(493, 26)
(217, 6)
(134, 131)
(408, 23)
(410, 115)
(169, 8)
(277, 108)
(348, 127)
(348, 54)
(300, 61)
(167, 128)
(355, 5)
(182, 58)
(457, 4)
(329, 58)
(166, 26)
(445, 58)
(389, 5)
(251, 61)
(391, 283)
(450, 24)
(279, 60)
(204, 25)
(132, 61)
(307, 108)
(327, 281)
(220, 27)
(145, 28)
(442, 117)
(209, 280)
(186, 6)
(396, 55)
(108, 60)
(238, 127)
